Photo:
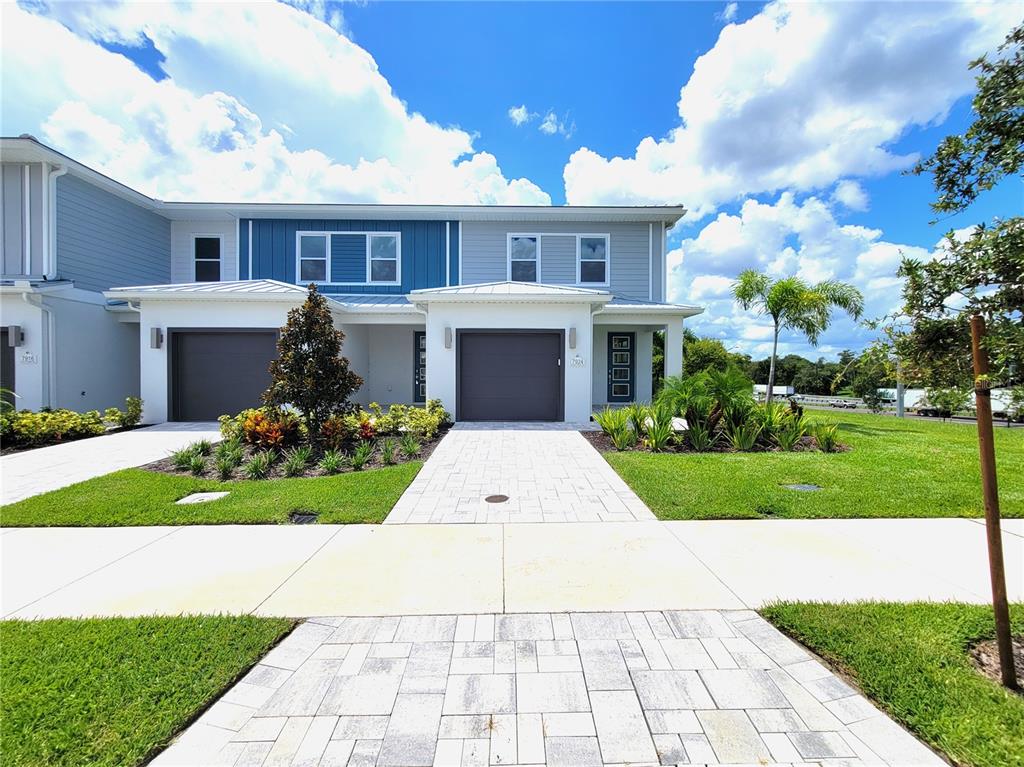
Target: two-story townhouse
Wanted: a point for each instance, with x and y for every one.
(501, 312)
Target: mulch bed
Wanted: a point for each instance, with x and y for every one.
(985, 657)
(603, 443)
(166, 465)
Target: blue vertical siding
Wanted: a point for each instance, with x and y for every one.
(348, 258)
(243, 248)
(423, 252)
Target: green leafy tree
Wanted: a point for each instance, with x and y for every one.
(309, 373)
(793, 304)
(984, 272)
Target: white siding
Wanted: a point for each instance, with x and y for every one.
(182, 232)
(485, 253)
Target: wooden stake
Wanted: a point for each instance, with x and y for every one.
(987, 450)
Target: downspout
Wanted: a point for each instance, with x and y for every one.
(48, 352)
(50, 241)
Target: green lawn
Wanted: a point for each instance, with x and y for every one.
(912, 660)
(113, 691)
(139, 497)
(896, 468)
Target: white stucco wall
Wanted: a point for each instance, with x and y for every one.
(642, 371)
(95, 362)
(391, 369)
(29, 358)
(441, 378)
(356, 349)
(193, 314)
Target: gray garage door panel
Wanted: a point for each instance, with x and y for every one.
(216, 372)
(510, 376)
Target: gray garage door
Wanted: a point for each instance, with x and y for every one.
(513, 376)
(218, 372)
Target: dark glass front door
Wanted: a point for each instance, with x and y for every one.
(621, 366)
(419, 369)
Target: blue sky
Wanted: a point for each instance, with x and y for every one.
(784, 128)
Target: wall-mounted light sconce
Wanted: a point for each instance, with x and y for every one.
(15, 335)
(447, 338)
(156, 338)
(572, 338)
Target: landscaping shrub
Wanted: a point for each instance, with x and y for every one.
(201, 447)
(743, 436)
(270, 429)
(826, 436)
(332, 462)
(182, 459)
(26, 428)
(127, 418)
(336, 431)
(388, 449)
(361, 455)
(659, 431)
(410, 445)
(637, 414)
(612, 419)
(225, 465)
(427, 421)
(197, 464)
(623, 437)
(258, 467)
(366, 430)
(791, 432)
(296, 460)
(700, 438)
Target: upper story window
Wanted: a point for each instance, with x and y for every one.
(592, 259)
(382, 254)
(523, 253)
(313, 249)
(206, 251)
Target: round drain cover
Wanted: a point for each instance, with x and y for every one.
(803, 488)
(496, 498)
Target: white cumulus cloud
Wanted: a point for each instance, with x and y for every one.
(552, 124)
(798, 97)
(728, 13)
(284, 108)
(520, 114)
(852, 195)
(788, 236)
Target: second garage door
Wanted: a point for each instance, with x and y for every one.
(219, 372)
(514, 376)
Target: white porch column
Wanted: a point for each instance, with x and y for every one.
(674, 347)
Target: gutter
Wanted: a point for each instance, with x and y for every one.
(50, 242)
(48, 351)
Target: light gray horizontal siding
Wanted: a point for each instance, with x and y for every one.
(485, 258)
(12, 240)
(558, 259)
(104, 241)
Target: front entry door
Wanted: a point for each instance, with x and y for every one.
(621, 366)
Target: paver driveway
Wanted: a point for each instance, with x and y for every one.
(675, 687)
(47, 468)
(548, 472)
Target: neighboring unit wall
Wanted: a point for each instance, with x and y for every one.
(183, 254)
(642, 374)
(485, 257)
(104, 241)
(428, 248)
(23, 228)
(94, 362)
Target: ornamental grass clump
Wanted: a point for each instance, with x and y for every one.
(332, 462)
(826, 436)
(258, 467)
(789, 436)
(409, 445)
(638, 414)
(660, 433)
(182, 459)
(743, 436)
(296, 460)
(197, 464)
(388, 451)
(361, 455)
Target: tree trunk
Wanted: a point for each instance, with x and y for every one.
(771, 367)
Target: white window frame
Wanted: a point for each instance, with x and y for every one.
(220, 250)
(298, 257)
(607, 260)
(369, 257)
(508, 253)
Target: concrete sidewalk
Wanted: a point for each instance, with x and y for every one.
(48, 468)
(434, 569)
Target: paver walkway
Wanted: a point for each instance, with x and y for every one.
(546, 472)
(48, 468)
(580, 689)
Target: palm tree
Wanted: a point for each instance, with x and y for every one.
(793, 304)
